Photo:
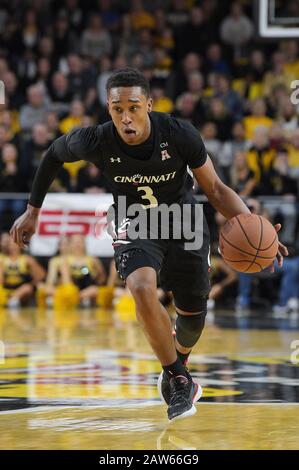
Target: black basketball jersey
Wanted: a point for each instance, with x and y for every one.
(163, 178)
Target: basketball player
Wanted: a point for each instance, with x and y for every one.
(140, 145)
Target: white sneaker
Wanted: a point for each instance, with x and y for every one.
(13, 303)
(85, 303)
(49, 301)
(293, 304)
(280, 311)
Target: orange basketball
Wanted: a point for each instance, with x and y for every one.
(248, 243)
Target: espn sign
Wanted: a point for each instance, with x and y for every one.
(57, 222)
(83, 214)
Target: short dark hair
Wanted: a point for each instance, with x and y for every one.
(128, 77)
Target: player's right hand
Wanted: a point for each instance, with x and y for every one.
(25, 226)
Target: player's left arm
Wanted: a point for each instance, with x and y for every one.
(224, 199)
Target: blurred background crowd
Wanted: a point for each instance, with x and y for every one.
(205, 63)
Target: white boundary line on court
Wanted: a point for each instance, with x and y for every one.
(146, 404)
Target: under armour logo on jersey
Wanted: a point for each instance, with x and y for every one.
(112, 160)
(165, 155)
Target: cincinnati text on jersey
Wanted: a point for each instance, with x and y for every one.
(144, 179)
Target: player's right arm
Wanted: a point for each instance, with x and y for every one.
(80, 144)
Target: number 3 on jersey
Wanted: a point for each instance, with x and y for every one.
(153, 202)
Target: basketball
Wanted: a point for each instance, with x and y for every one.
(248, 243)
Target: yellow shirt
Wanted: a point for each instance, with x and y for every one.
(80, 267)
(260, 165)
(142, 20)
(292, 68)
(252, 122)
(68, 123)
(163, 105)
(272, 80)
(15, 272)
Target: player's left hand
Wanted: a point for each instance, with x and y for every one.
(282, 251)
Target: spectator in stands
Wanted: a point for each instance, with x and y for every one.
(139, 17)
(293, 153)
(28, 35)
(195, 85)
(95, 40)
(15, 97)
(105, 70)
(4, 243)
(162, 62)
(287, 117)
(86, 272)
(34, 111)
(222, 276)
(220, 116)
(231, 99)
(288, 298)
(11, 181)
(236, 29)
(142, 47)
(46, 50)
(91, 180)
(58, 273)
(75, 117)
(60, 91)
(257, 67)
(178, 79)
(65, 40)
(178, 14)
(161, 103)
(165, 39)
(10, 121)
(43, 74)
(19, 274)
(284, 184)
(110, 15)
(231, 147)
(214, 61)
(276, 138)
(209, 135)
(3, 137)
(71, 10)
(80, 78)
(257, 118)
(33, 152)
(194, 35)
(290, 49)
(278, 75)
(185, 108)
(260, 159)
(52, 123)
(241, 177)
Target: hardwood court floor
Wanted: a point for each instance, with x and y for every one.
(87, 380)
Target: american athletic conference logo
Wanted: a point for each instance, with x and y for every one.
(164, 153)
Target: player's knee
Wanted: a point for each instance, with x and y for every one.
(189, 328)
(143, 290)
